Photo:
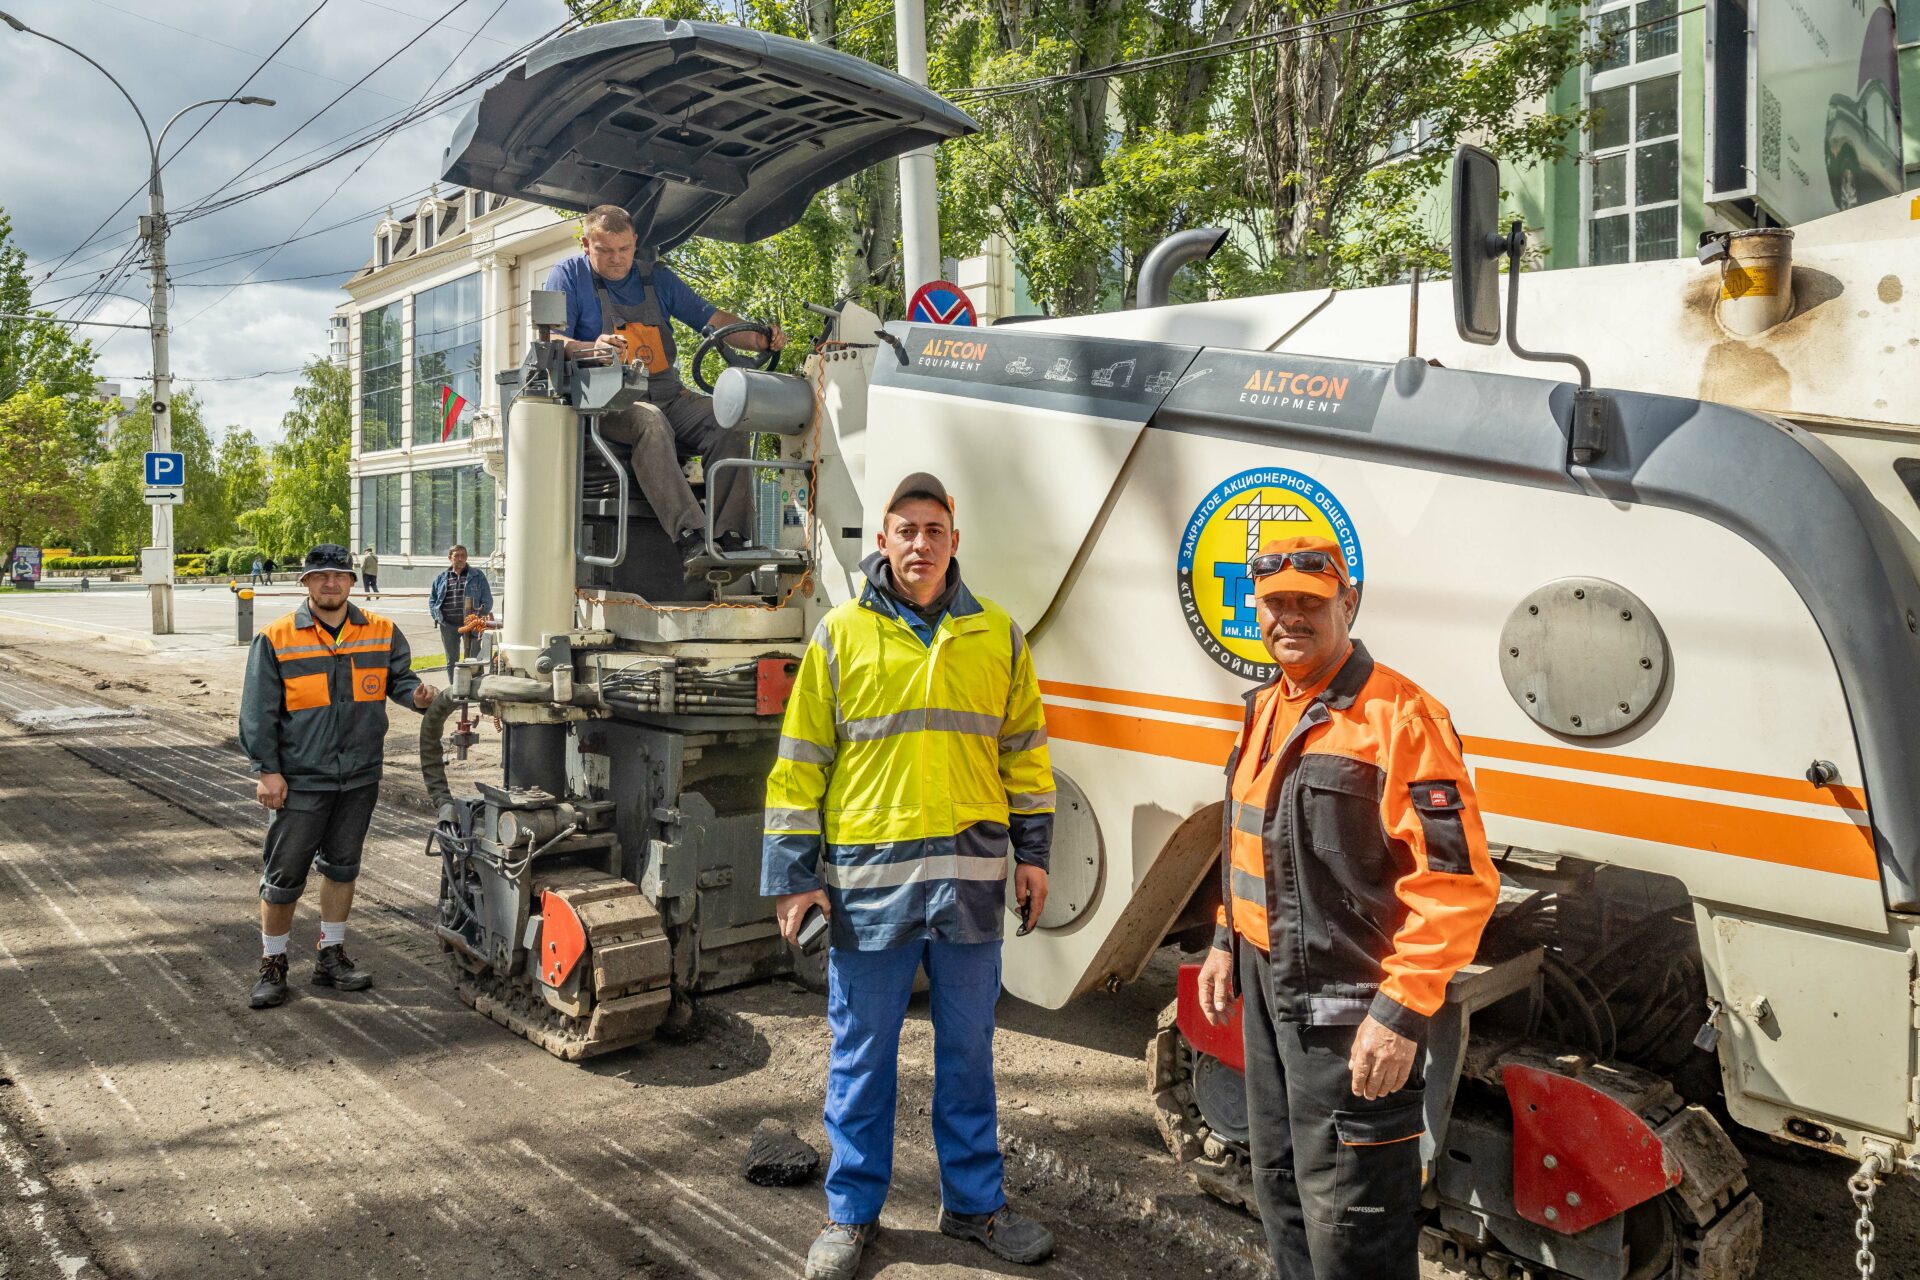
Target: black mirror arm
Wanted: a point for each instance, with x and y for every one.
(1514, 241)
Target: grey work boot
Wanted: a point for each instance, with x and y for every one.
(835, 1253)
(1005, 1234)
(332, 969)
(271, 991)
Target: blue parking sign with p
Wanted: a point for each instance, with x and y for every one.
(166, 469)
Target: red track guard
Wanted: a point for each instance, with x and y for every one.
(562, 940)
(1223, 1043)
(1579, 1157)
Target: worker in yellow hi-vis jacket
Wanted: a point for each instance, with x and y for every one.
(912, 760)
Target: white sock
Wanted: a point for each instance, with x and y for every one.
(332, 933)
(274, 944)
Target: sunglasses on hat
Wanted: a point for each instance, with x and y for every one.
(1273, 562)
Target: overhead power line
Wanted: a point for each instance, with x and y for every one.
(94, 234)
(1334, 24)
(377, 67)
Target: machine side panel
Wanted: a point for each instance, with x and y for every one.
(1039, 467)
(1776, 488)
(1796, 1003)
(1706, 788)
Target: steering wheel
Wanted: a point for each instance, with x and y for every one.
(717, 341)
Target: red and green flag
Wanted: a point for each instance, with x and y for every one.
(451, 403)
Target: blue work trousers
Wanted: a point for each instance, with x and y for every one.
(867, 995)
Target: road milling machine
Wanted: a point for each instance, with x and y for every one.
(1670, 591)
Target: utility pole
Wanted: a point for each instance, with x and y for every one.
(919, 196)
(153, 229)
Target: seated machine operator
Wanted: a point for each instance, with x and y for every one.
(621, 303)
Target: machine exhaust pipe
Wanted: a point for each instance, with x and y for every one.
(1171, 254)
(1756, 281)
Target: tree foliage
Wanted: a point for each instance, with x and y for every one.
(45, 482)
(1317, 132)
(43, 353)
(223, 479)
(308, 498)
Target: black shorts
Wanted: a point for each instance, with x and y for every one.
(321, 830)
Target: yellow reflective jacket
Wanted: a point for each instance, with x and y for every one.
(912, 759)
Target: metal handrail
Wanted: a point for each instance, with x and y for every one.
(619, 555)
(770, 555)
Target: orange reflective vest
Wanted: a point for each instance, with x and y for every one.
(1354, 854)
(314, 706)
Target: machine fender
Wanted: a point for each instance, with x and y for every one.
(1222, 1042)
(563, 940)
(1579, 1155)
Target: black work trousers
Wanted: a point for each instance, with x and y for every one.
(1337, 1177)
(664, 432)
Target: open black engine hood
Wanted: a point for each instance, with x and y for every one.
(691, 127)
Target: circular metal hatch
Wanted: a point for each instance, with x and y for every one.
(1583, 657)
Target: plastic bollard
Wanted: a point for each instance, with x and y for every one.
(243, 616)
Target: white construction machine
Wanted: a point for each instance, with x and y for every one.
(1673, 605)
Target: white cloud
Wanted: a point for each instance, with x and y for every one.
(72, 150)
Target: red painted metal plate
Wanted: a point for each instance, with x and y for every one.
(1579, 1157)
(773, 685)
(1223, 1043)
(562, 940)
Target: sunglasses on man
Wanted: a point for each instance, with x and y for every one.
(1273, 562)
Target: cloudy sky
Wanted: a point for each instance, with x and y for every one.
(71, 150)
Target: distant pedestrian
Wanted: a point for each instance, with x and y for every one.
(458, 593)
(313, 721)
(256, 575)
(269, 566)
(370, 574)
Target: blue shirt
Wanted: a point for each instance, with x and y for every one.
(574, 277)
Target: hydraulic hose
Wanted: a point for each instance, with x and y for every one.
(433, 751)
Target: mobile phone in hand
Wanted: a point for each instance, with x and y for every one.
(813, 930)
(1026, 917)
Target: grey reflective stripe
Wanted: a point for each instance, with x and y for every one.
(1337, 1011)
(1249, 888)
(806, 821)
(799, 749)
(364, 644)
(1023, 741)
(1032, 802)
(297, 650)
(891, 875)
(824, 638)
(1249, 819)
(939, 720)
(1019, 642)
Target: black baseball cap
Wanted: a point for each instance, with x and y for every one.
(921, 484)
(328, 557)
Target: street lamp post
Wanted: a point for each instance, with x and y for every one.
(153, 229)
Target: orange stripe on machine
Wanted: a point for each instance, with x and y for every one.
(1835, 847)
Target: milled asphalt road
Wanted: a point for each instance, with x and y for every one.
(153, 1126)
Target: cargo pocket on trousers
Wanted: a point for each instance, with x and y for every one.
(1377, 1168)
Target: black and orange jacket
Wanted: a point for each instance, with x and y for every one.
(1354, 855)
(314, 708)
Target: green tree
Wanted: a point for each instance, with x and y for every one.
(240, 473)
(308, 498)
(43, 353)
(119, 521)
(45, 489)
(1351, 124)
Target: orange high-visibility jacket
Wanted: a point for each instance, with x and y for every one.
(1353, 854)
(314, 708)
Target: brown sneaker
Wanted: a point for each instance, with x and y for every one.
(271, 991)
(332, 969)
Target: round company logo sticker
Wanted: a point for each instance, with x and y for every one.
(370, 683)
(1225, 530)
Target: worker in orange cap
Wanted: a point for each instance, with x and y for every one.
(1356, 882)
